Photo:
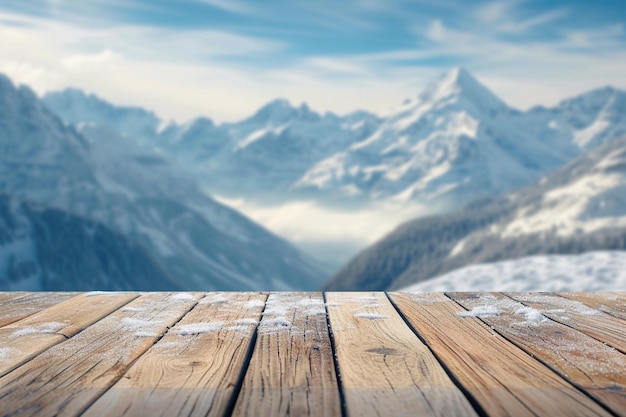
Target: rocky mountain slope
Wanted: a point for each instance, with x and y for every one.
(44, 249)
(575, 209)
(98, 173)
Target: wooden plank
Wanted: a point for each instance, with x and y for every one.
(385, 369)
(194, 368)
(10, 296)
(292, 370)
(502, 378)
(610, 303)
(587, 363)
(21, 307)
(24, 339)
(604, 327)
(68, 377)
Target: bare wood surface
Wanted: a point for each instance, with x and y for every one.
(607, 302)
(587, 363)
(595, 323)
(18, 308)
(291, 371)
(385, 369)
(24, 339)
(68, 377)
(194, 368)
(502, 378)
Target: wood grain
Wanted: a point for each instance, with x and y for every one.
(193, 369)
(68, 377)
(18, 308)
(610, 303)
(587, 363)
(10, 296)
(385, 369)
(291, 371)
(24, 339)
(502, 378)
(604, 327)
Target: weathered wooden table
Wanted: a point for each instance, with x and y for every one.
(259, 354)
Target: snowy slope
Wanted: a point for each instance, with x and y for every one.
(578, 208)
(592, 271)
(103, 175)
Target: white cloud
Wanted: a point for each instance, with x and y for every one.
(86, 62)
(323, 223)
(525, 25)
(229, 5)
(496, 11)
(436, 31)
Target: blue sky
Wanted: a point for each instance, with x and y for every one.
(225, 58)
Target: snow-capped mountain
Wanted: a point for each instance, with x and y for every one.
(44, 249)
(455, 141)
(77, 107)
(105, 176)
(592, 271)
(577, 208)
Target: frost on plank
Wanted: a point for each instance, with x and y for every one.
(369, 316)
(480, 311)
(50, 327)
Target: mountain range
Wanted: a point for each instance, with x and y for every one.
(453, 142)
(577, 208)
(95, 172)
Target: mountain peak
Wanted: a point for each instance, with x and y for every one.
(5, 82)
(458, 84)
(278, 111)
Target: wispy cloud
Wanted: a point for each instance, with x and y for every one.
(494, 12)
(337, 56)
(526, 24)
(234, 6)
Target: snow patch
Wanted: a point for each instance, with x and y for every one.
(369, 316)
(254, 304)
(592, 271)
(6, 353)
(197, 328)
(142, 328)
(480, 311)
(50, 327)
(531, 315)
(181, 296)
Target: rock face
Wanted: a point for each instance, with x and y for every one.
(99, 173)
(44, 249)
(578, 208)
